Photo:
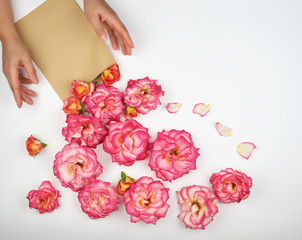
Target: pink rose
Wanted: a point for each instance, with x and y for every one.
(81, 89)
(45, 199)
(146, 200)
(76, 166)
(173, 154)
(84, 130)
(127, 142)
(198, 206)
(105, 103)
(230, 186)
(98, 199)
(143, 94)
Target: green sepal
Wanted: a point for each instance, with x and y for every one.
(81, 111)
(43, 145)
(123, 176)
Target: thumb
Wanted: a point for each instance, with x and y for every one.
(99, 29)
(30, 70)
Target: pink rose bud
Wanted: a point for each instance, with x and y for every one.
(99, 199)
(45, 199)
(173, 154)
(72, 105)
(143, 94)
(84, 130)
(127, 142)
(231, 185)
(124, 184)
(106, 103)
(34, 146)
(146, 200)
(111, 75)
(198, 206)
(81, 89)
(76, 166)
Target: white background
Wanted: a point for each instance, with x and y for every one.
(242, 57)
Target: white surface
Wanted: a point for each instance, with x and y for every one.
(242, 57)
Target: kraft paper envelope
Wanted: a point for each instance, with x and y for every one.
(63, 44)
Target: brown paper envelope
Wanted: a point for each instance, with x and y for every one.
(63, 44)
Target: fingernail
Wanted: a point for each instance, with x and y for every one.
(103, 37)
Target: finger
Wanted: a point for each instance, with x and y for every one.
(115, 23)
(28, 91)
(121, 42)
(99, 28)
(30, 70)
(112, 37)
(24, 80)
(15, 86)
(26, 98)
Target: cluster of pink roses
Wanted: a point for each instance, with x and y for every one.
(94, 117)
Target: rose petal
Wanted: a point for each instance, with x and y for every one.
(223, 130)
(173, 107)
(201, 109)
(245, 149)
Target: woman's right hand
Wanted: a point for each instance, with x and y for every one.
(15, 57)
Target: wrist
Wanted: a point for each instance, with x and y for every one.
(9, 35)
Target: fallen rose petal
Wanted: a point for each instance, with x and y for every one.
(173, 107)
(245, 149)
(223, 130)
(201, 109)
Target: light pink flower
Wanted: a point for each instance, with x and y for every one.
(127, 142)
(84, 130)
(45, 199)
(231, 185)
(143, 94)
(198, 206)
(146, 200)
(76, 166)
(105, 103)
(173, 154)
(99, 199)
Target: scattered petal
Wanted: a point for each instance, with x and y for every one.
(223, 130)
(201, 109)
(245, 149)
(173, 107)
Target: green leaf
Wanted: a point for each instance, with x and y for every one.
(81, 111)
(43, 145)
(123, 176)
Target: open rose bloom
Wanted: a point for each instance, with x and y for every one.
(143, 94)
(146, 200)
(111, 75)
(76, 166)
(198, 206)
(45, 199)
(98, 199)
(81, 89)
(127, 142)
(34, 146)
(84, 130)
(105, 103)
(231, 185)
(173, 154)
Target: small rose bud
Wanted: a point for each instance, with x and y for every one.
(124, 184)
(34, 146)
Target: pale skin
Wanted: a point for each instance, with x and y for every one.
(15, 56)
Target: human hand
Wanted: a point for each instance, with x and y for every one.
(15, 57)
(104, 19)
